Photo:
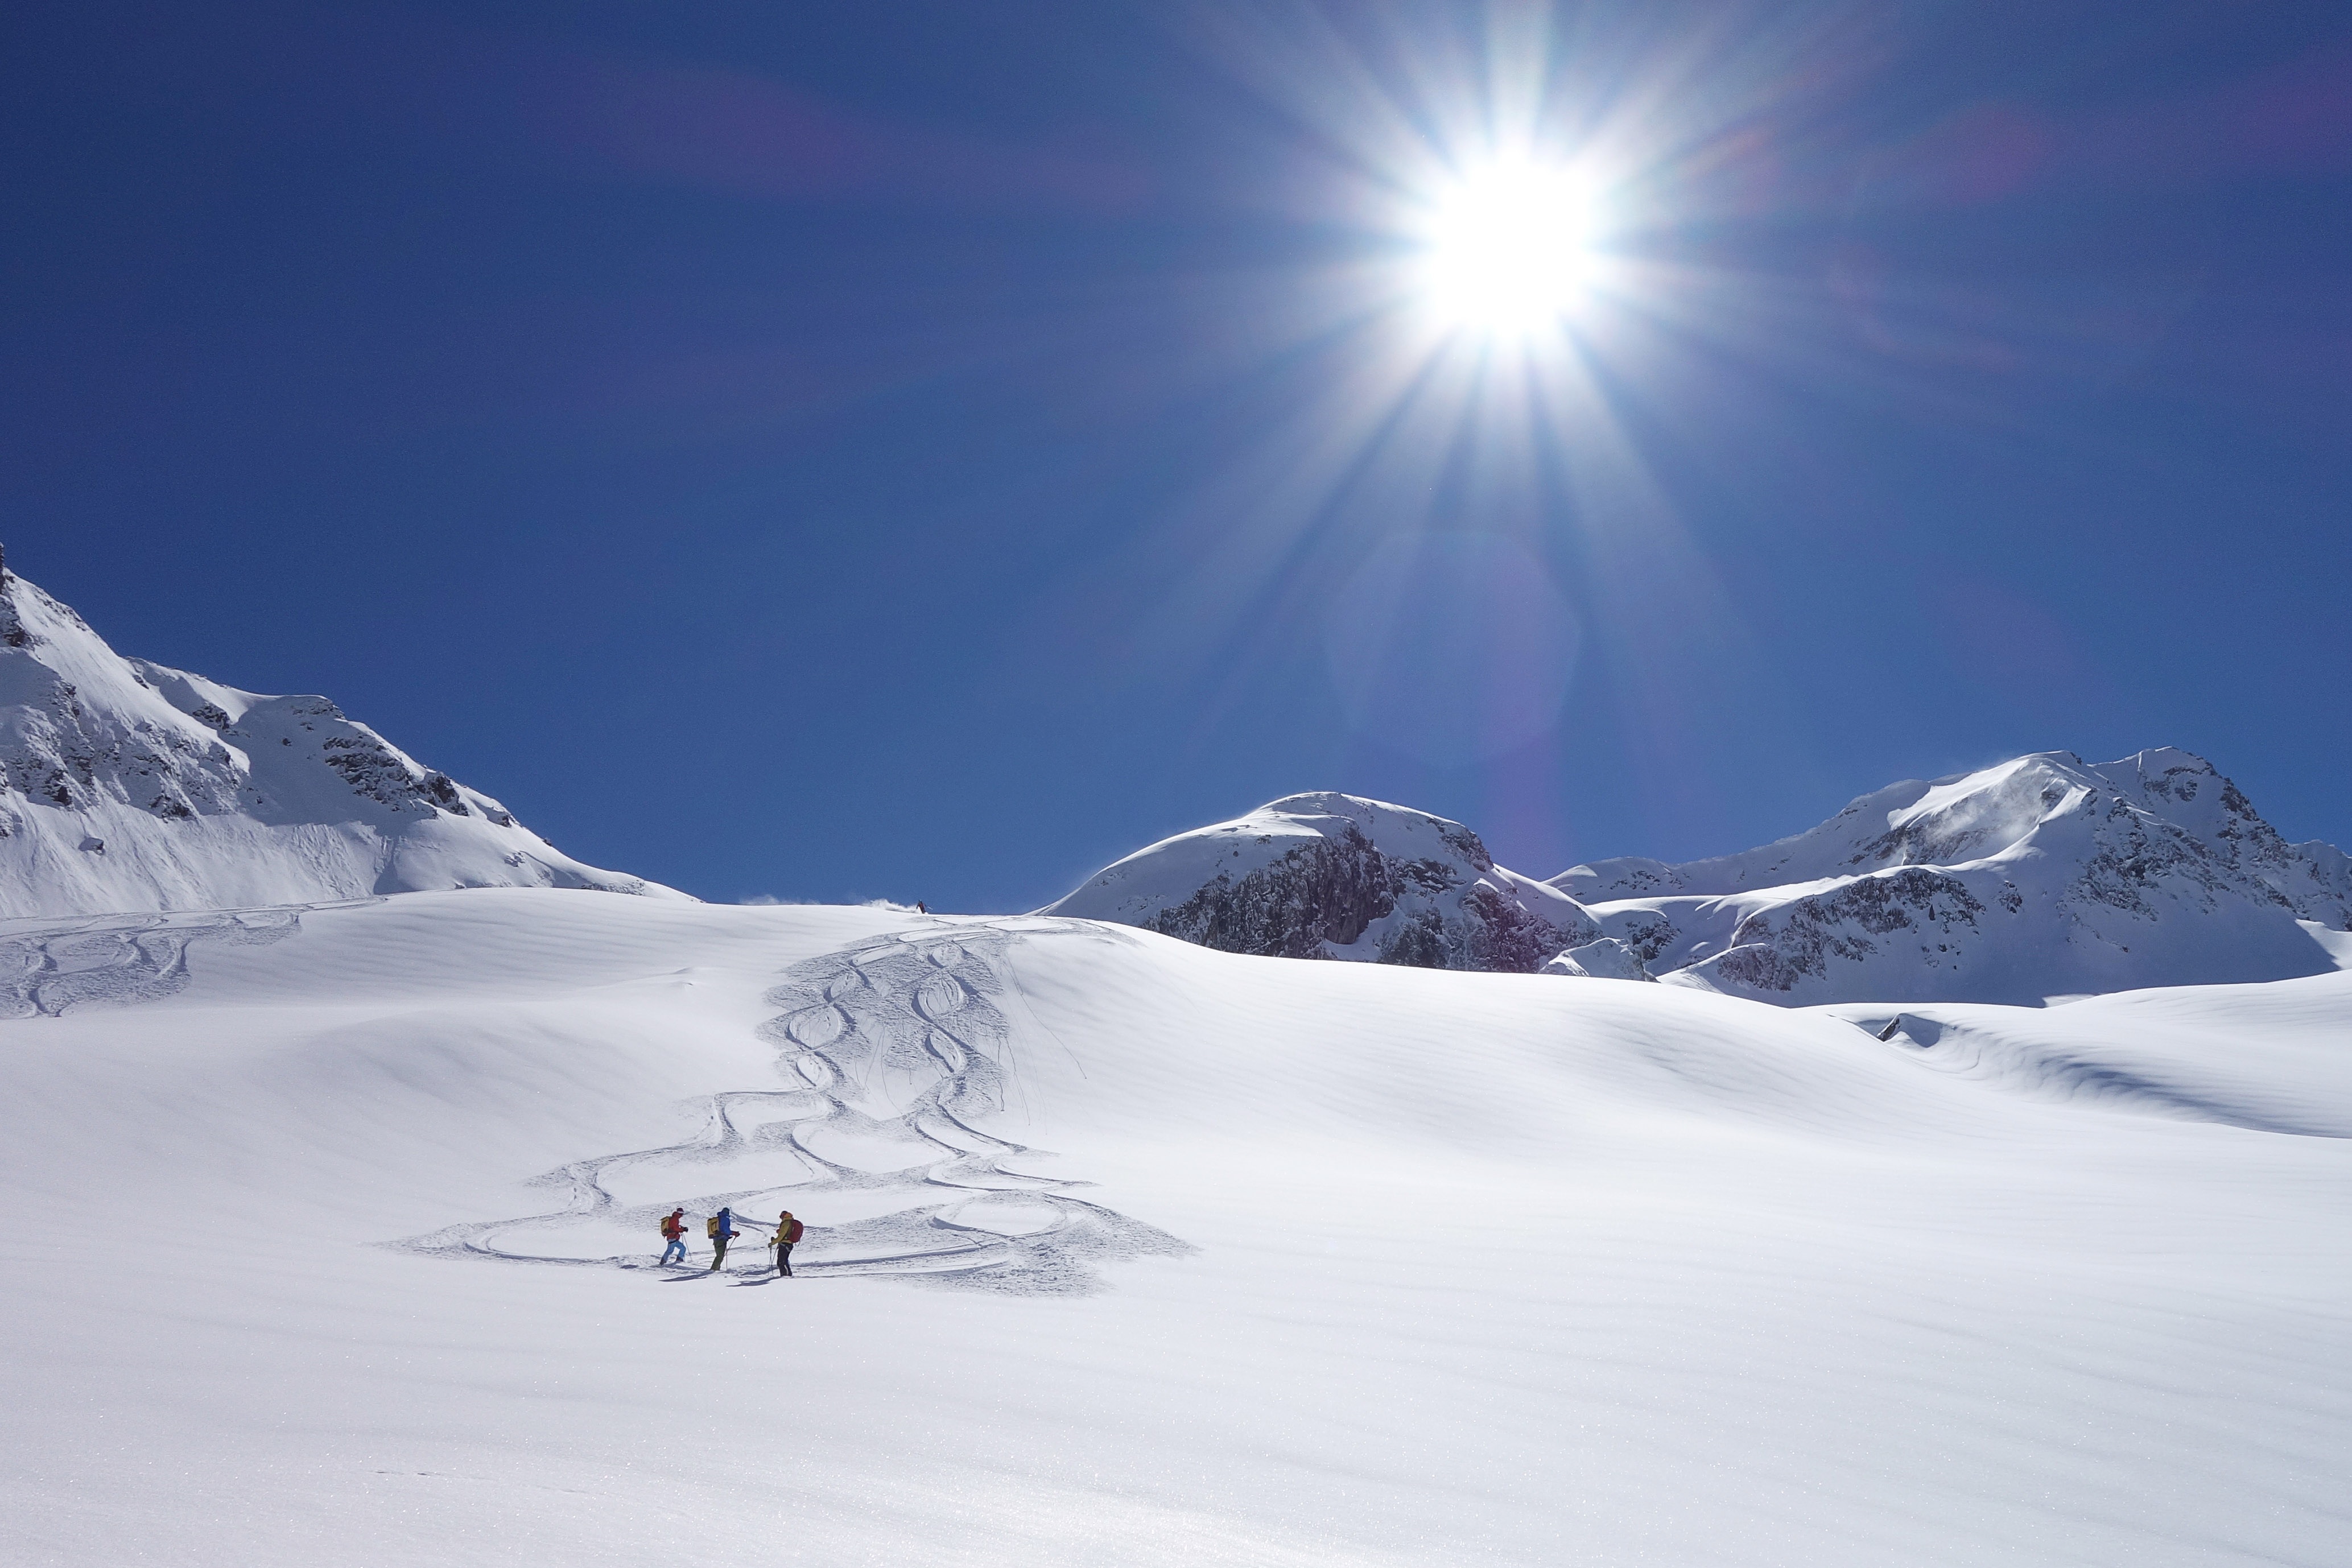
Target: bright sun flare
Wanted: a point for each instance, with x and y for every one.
(1509, 248)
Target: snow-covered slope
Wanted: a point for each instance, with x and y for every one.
(126, 785)
(2042, 876)
(1336, 875)
(333, 1242)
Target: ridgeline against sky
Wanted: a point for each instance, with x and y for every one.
(811, 454)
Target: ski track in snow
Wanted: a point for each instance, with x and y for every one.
(890, 1051)
(126, 958)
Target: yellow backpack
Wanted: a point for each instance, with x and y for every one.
(710, 1228)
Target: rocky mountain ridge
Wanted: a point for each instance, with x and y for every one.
(1336, 875)
(127, 785)
(2039, 878)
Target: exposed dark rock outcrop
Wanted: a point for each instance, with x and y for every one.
(1774, 949)
(1336, 875)
(1324, 890)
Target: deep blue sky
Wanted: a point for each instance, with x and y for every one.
(907, 449)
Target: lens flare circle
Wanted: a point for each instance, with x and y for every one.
(1507, 247)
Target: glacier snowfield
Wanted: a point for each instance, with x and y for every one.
(333, 1242)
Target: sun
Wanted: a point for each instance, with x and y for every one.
(1506, 247)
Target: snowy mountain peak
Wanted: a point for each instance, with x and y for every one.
(1326, 874)
(128, 786)
(2044, 875)
(2038, 877)
(1993, 813)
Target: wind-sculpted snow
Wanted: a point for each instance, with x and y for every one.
(1336, 875)
(2153, 1053)
(894, 1053)
(130, 785)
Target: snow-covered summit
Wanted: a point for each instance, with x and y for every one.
(1327, 875)
(2044, 875)
(2041, 876)
(125, 785)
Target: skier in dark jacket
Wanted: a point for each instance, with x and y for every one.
(722, 1231)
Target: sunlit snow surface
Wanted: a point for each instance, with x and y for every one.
(333, 1243)
(891, 1052)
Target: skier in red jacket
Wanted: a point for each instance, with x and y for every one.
(674, 1233)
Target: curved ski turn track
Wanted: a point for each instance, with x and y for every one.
(124, 958)
(1506, 1269)
(892, 1052)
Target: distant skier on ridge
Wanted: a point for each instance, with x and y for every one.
(721, 1230)
(673, 1228)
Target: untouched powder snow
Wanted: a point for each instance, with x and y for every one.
(125, 785)
(334, 1241)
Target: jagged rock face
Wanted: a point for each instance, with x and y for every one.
(2044, 875)
(1774, 949)
(1336, 875)
(1324, 890)
(126, 785)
